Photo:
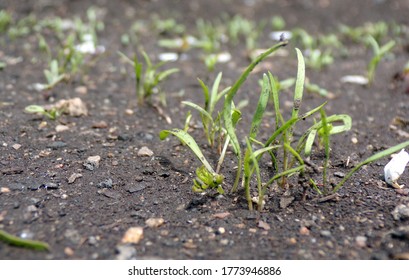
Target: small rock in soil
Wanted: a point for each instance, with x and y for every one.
(134, 189)
(124, 137)
(61, 128)
(110, 193)
(133, 235)
(154, 222)
(304, 231)
(74, 107)
(68, 251)
(107, 183)
(125, 252)
(4, 190)
(92, 163)
(16, 146)
(221, 230)
(56, 145)
(325, 233)
(145, 152)
(222, 215)
(401, 212)
(74, 177)
(361, 241)
(285, 201)
(339, 174)
(100, 124)
(263, 225)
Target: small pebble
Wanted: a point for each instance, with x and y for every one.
(304, 231)
(61, 128)
(221, 230)
(325, 233)
(100, 124)
(68, 251)
(74, 177)
(125, 252)
(354, 140)
(360, 241)
(401, 212)
(154, 222)
(129, 112)
(92, 162)
(133, 235)
(107, 183)
(16, 146)
(145, 152)
(81, 90)
(56, 145)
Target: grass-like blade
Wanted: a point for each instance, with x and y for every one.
(227, 109)
(20, 242)
(372, 158)
(186, 138)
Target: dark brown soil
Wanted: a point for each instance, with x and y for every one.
(84, 220)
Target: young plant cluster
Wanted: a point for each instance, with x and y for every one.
(289, 156)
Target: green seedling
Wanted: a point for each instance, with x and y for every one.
(52, 113)
(378, 54)
(206, 176)
(53, 75)
(377, 30)
(23, 27)
(319, 49)
(5, 20)
(21, 242)
(209, 34)
(277, 23)
(228, 107)
(167, 26)
(239, 27)
(314, 88)
(148, 77)
(211, 120)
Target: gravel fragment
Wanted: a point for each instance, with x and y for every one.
(339, 174)
(125, 252)
(154, 222)
(145, 152)
(134, 189)
(61, 128)
(285, 201)
(107, 183)
(92, 163)
(133, 235)
(401, 212)
(110, 193)
(361, 241)
(57, 145)
(74, 177)
(325, 233)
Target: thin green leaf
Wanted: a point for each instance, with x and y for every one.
(200, 109)
(261, 107)
(227, 109)
(190, 142)
(372, 158)
(20, 242)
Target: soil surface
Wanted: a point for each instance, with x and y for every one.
(50, 192)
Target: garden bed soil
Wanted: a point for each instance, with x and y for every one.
(87, 217)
